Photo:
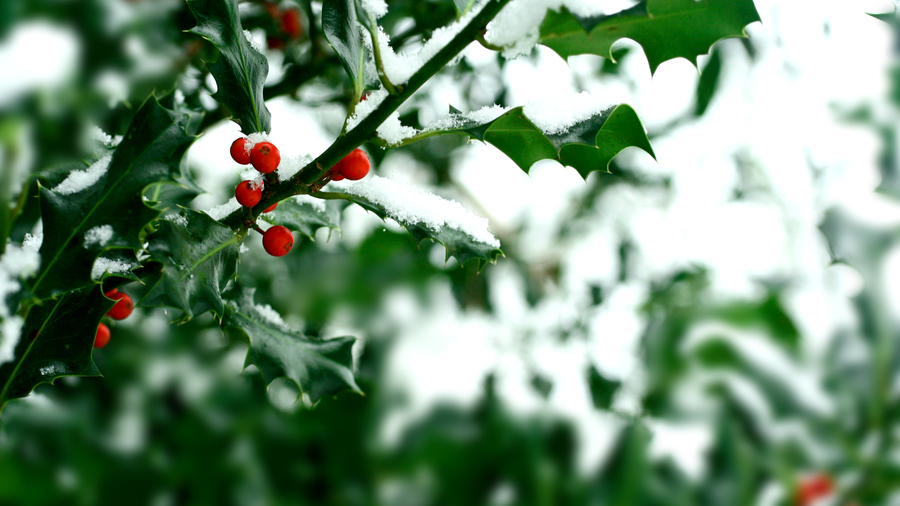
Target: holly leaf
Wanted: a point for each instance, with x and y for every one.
(305, 215)
(100, 207)
(57, 340)
(342, 30)
(587, 146)
(118, 262)
(666, 29)
(462, 6)
(199, 256)
(603, 390)
(319, 367)
(457, 242)
(240, 71)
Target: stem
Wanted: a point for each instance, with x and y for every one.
(379, 63)
(366, 128)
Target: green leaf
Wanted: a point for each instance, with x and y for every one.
(666, 29)
(456, 242)
(109, 213)
(318, 367)
(342, 30)
(587, 146)
(708, 83)
(199, 256)
(462, 6)
(304, 215)
(240, 71)
(57, 340)
(602, 390)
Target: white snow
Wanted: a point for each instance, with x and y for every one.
(555, 114)
(484, 115)
(271, 316)
(177, 219)
(33, 242)
(219, 212)
(410, 205)
(103, 265)
(244, 248)
(377, 8)
(253, 43)
(78, 180)
(16, 263)
(290, 166)
(400, 67)
(517, 27)
(393, 132)
(98, 135)
(101, 234)
(364, 108)
(255, 138)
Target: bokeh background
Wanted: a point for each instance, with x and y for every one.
(720, 326)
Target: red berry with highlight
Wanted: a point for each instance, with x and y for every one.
(271, 208)
(814, 488)
(265, 157)
(123, 307)
(248, 193)
(278, 241)
(355, 166)
(290, 23)
(102, 336)
(239, 151)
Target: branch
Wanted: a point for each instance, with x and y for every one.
(366, 128)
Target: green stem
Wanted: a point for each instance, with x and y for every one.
(379, 63)
(366, 128)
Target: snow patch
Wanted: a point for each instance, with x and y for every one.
(393, 132)
(290, 166)
(271, 316)
(100, 235)
(16, 263)
(555, 115)
(107, 265)
(219, 212)
(364, 108)
(253, 43)
(78, 180)
(376, 8)
(317, 204)
(484, 115)
(178, 220)
(98, 135)
(410, 205)
(33, 242)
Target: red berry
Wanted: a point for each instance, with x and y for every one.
(290, 23)
(123, 307)
(354, 166)
(102, 336)
(813, 488)
(248, 193)
(265, 157)
(274, 42)
(336, 173)
(271, 208)
(364, 97)
(239, 151)
(278, 241)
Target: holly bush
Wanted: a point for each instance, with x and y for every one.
(120, 212)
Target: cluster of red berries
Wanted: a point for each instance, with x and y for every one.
(121, 310)
(288, 25)
(265, 158)
(813, 488)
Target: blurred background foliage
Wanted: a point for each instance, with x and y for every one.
(175, 421)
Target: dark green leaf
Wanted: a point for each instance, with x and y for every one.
(457, 243)
(304, 216)
(602, 390)
(240, 70)
(318, 367)
(462, 6)
(708, 83)
(587, 146)
(342, 29)
(57, 340)
(666, 29)
(109, 213)
(199, 256)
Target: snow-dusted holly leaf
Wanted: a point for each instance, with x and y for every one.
(118, 262)
(100, 206)
(426, 216)
(462, 6)
(305, 215)
(56, 340)
(666, 29)
(319, 367)
(241, 69)
(586, 145)
(343, 32)
(199, 256)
